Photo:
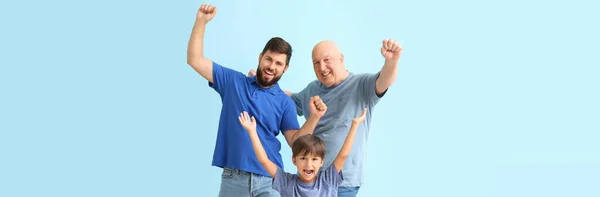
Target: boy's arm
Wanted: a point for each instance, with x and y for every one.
(261, 154)
(195, 53)
(347, 147)
(250, 125)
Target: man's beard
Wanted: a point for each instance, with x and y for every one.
(263, 82)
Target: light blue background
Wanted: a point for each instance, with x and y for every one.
(493, 98)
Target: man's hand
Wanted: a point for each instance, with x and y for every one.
(361, 118)
(317, 107)
(206, 13)
(247, 123)
(391, 50)
(251, 73)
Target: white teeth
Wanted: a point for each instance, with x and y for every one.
(326, 73)
(269, 73)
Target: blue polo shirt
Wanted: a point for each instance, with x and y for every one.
(274, 112)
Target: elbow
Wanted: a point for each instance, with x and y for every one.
(194, 59)
(191, 61)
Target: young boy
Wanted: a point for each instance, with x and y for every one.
(308, 155)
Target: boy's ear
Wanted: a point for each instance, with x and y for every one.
(294, 160)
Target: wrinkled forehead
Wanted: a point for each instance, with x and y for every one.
(323, 51)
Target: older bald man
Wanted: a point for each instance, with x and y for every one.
(345, 95)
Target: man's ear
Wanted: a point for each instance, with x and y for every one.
(260, 56)
(342, 57)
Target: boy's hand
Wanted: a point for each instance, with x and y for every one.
(317, 107)
(249, 125)
(361, 118)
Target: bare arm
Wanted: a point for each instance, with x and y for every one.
(261, 155)
(391, 51)
(340, 159)
(317, 109)
(308, 128)
(195, 53)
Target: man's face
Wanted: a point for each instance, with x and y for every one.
(327, 64)
(271, 67)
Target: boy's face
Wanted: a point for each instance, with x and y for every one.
(308, 166)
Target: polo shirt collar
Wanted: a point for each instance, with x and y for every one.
(273, 90)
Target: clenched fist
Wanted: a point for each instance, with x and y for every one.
(206, 13)
(317, 107)
(391, 50)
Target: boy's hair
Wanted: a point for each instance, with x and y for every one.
(279, 45)
(308, 144)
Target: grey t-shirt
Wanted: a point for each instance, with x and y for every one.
(290, 185)
(345, 102)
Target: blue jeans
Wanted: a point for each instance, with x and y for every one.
(237, 183)
(347, 191)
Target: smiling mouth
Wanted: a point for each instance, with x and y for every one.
(269, 73)
(309, 172)
(324, 74)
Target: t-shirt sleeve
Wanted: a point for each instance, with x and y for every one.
(331, 176)
(222, 77)
(298, 99)
(368, 90)
(282, 180)
(289, 120)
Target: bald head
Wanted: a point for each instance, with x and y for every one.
(328, 47)
(328, 63)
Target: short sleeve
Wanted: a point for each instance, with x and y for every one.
(368, 90)
(298, 99)
(331, 176)
(222, 76)
(282, 180)
(289, 120)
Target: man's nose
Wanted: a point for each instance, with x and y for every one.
(322, 65)
(271, 66)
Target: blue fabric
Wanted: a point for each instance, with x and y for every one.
(326, 184)
(236, 183)
(345, 102)
(348, 191)
(274, 112)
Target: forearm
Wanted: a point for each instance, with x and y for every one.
(340, 159)
(261, 155)
(347, 147)
(308, 128)
(258, 148)
(387, 75)
(196, 43)
(195, 55)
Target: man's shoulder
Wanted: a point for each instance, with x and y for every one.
(315, 84)
(357, 77)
